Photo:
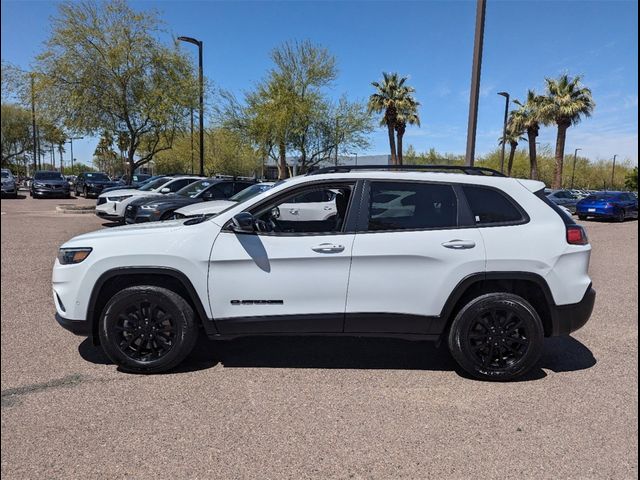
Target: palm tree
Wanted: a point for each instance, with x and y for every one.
(390, 97)
(407, 114)
(513, 137)
(527, 118)
(566, 102)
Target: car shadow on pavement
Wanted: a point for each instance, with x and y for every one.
(562, 354)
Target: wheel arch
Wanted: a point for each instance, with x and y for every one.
(530, 286)
(117, 279)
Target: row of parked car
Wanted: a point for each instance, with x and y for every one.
(596, 204)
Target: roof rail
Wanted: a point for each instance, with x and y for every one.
(446, 168)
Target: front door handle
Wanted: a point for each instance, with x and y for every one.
(459, 244)
(328, 248)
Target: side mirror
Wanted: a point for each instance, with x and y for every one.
(165, 190)
(243, 222)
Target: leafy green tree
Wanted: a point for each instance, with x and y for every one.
(105, 70)
(527, 118)
(566, 102)
(392, 95)
(631, 180)
(513, 137)
(17, 137)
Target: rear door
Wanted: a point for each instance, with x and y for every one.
(412, 247)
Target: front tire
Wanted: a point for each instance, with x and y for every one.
(497, 336)
(621, 216)
(147, 329)
(582, 217)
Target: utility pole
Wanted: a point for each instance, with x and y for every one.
(613, 170)
(191, 140)
(475, 83)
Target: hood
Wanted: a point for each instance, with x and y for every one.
(106, 183)
(117, 192)
(204, 208)
(151, 228)
(169, 199)
(152, 197)
(52, 182)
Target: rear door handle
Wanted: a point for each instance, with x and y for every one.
(459, 244)
(328, 248)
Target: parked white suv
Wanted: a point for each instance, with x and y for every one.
(485, 262)
(111, 205)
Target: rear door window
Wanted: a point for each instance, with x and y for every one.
(411, 206)
(491, 207)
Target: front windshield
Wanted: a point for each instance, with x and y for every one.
(99, 177)
(48, 176)
(251, 192)
(193, 189)
(152, 185)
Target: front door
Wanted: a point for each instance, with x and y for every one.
(291, 275)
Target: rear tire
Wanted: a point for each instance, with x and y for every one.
(147, 329)
(497, 336)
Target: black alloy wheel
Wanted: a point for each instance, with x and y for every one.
(497, 336)
(147, 329)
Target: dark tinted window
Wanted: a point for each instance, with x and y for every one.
(491, 206)
(407, 206)
(178, 184)
(48, 176)
(220, 191)
(239, 186)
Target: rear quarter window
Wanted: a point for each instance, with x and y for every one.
(492, 207)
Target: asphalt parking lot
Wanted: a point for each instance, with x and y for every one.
(310, 407)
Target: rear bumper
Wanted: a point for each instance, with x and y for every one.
(77, 327)
(569, 318)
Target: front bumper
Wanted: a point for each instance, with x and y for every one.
(77, 327)
(9, 190)
(46, 192)
(135, 214)
(569, 318)
(108, 210)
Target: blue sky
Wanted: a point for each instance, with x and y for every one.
(524, 42)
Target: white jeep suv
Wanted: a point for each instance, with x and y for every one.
(484, 262)
(111, 205)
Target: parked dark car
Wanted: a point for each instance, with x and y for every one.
(161, 208)
(49, 184)
(566, 198)
(613, 205)
(9, 184)
(136, 182)
(92, 184)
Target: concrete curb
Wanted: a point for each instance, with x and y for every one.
(69, 208)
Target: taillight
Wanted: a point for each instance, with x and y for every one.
(576, 235)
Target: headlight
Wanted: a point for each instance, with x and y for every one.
(67, 256)
(91, 185)
(38, 184)
(153, 206)
(119, 199)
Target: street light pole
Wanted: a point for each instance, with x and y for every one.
(201, 82)
(504, 129)
(573, 173)
(33, 124)
(475, 83)
(70, 141)
(192, 141)
(613, 170)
